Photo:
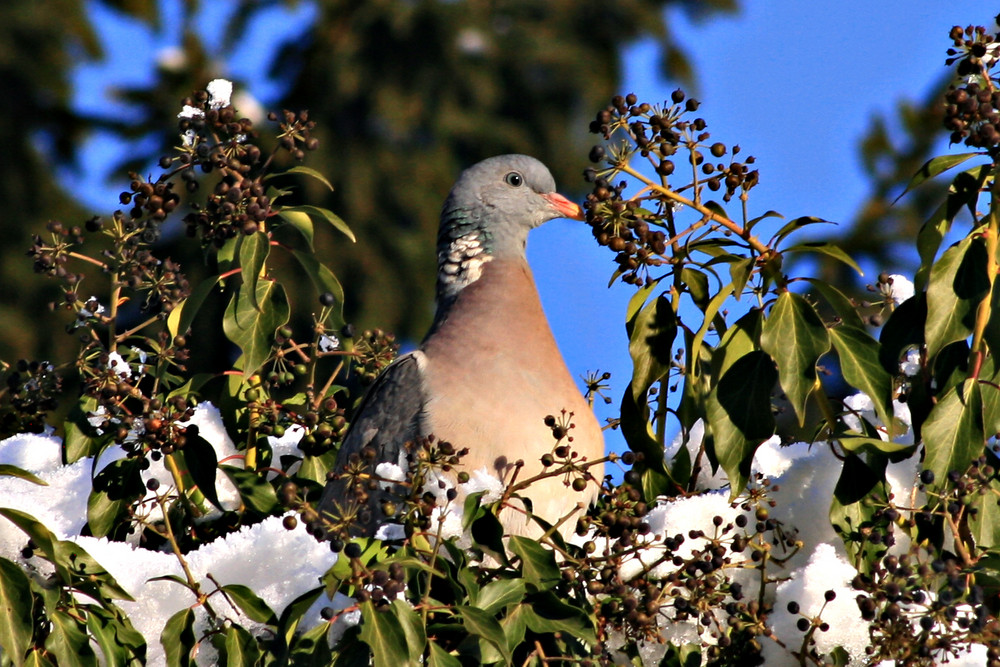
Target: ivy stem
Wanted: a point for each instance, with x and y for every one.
(753, 241)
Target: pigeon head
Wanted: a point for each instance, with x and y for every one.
(488, 214)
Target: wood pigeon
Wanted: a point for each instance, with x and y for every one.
(489, 372)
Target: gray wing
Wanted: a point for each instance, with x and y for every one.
(389, 416)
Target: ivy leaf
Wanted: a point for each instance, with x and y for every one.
(202, 463)
(859, 362)
(413, 629)
(538, 564)
(846, 310)
(794, 225)
(828, 249)
(496, 595)
(860, 491)
(796, 338)
(739, 413)
(67, 640)
(255, 491)
(953, 434)
(958, 282)
(305, 171)
(180, 318)
(477, 622)
(7, 470)
(546, 613)
(80, 441)
(322, 215)
(250, 604)
(441, 658)
(651, 339)
(385, 636)
(240, 647)
(115, 489)
(324, 280)
(253, 255)
(120, 642)
(935, 166)
(15, 611)
(178, 639)
(252, 329)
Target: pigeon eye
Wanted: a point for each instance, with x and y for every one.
(514, 179)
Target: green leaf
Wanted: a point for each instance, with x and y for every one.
(385, 636)
(240, 647)
(538, 564)
(441, 658)
(696, 284)
(953, 434)
(182, 316)
(301, 222)
(413, 628)
(116, 488)
(984, 523)
(860, 491)
(255, 491)
(957, 284)
(67, 640)
(636, 429)
(178, 639)
(769, 214)
(859, 362)
(324, 280)
(546, 613)
(313, 648)
(253, 255)
(857, 444)
(7, 470)
(496, 595)
(322, 215)
(250, 604)
(845, 308)
(121, 644)
(739, 413)
(295, 610)
(306, 171)
(202, 463)
(651, 344)
(935, 166)
(477, 622)
(15, 611)
(740, 339)
(796, 338)
(79, 442)
(636, 302)
(739, 273)
(795, 225)
(828, 249)
(253, 330)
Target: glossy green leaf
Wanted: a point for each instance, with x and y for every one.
(828, 249)
(696, 283)
(958, 282)
(636, 429)
(178, 639)
(413, 629)
(240, 647)
(201, 462)
(255, 491)
(769, 214)
(546, 613)
(929, 240)
(324, 280)
(68, 641)
(859, 362)
(739, 414)
(538, 564)
(296, 609)
(858, 444)
(739, 273)
(250, 604)
(120, 643)
(116, 488)
(953, 434)
(312, 648)
(935, 166)
(795, 337)
(182, 316)
(323, 215)
(845, 308)
(7, 470)
(441, 658)
(859, 493)
(80, 441)
(739, 340)
(496, 595)
(15, 611)
(301, 222)
(253, 255)
(477, 622)
(305, 171)
(794, 225)
(253, 330)
(651, 344)
(384, 636)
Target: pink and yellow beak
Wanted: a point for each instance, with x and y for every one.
(566, 208)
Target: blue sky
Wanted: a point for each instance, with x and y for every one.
(794, 83)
